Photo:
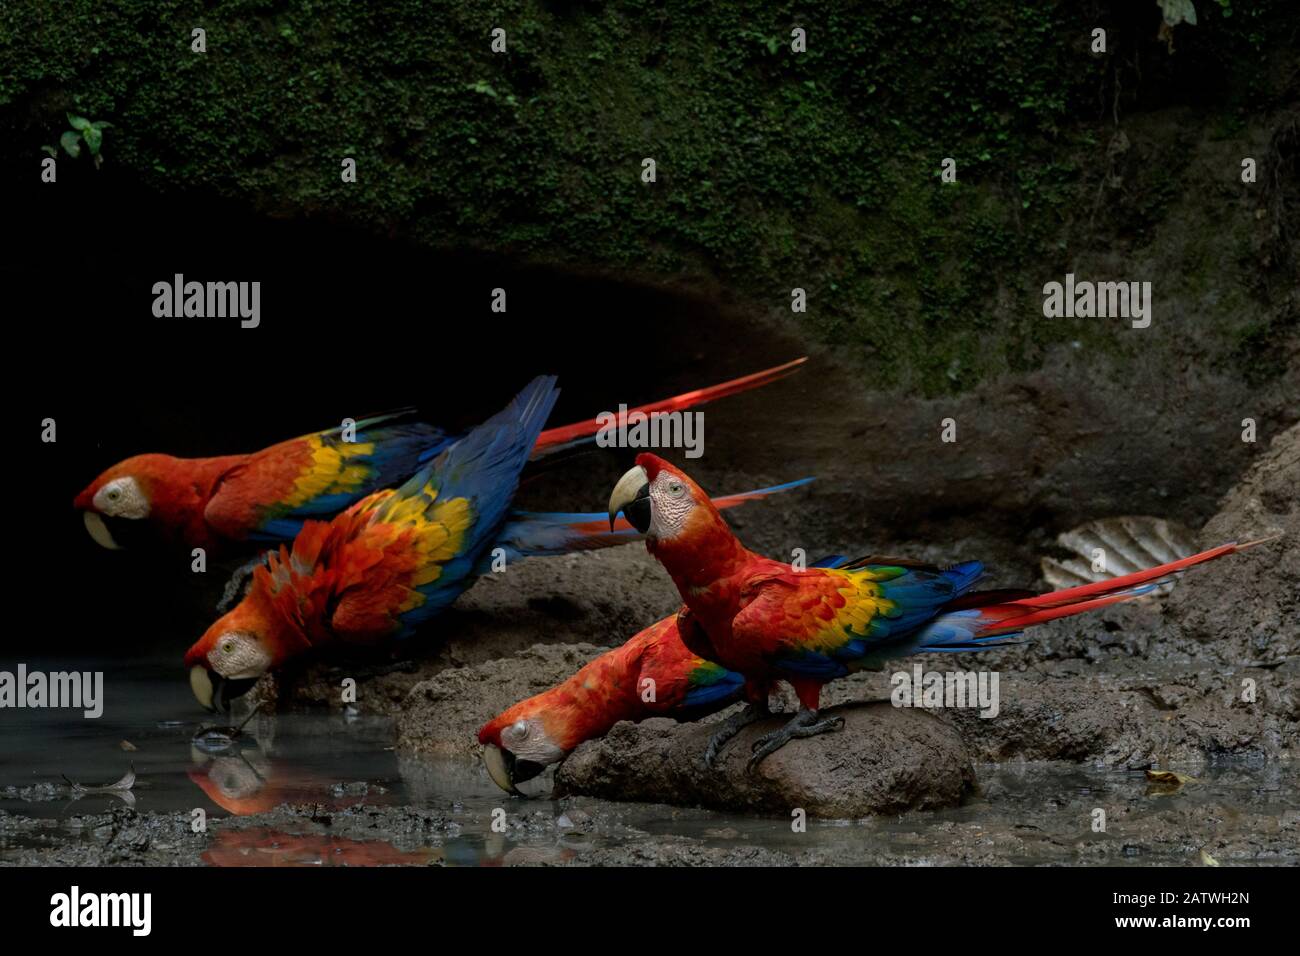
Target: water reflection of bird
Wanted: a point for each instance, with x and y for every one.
(264, 846)
(248, 781)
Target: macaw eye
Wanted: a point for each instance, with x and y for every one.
(520, 728)
(229, 647)
(114, 494)
(675, 488)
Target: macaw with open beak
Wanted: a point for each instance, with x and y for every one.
(770, 622)
(236, 503)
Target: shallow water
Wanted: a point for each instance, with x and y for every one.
(346, 798)
(295, 758)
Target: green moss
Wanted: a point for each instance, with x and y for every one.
(775, 170)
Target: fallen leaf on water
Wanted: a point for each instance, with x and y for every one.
(121, 789)
(1165, 782)
(126, 783)
(128, 746)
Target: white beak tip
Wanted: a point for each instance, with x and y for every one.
(99, 531)
(201, 684)
(496, 768)
(625, 491)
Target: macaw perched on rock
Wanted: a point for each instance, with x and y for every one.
(652, 675)
(241, 502)
(769, 621)
(397, 557)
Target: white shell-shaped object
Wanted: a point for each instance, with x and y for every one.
(1112, 547)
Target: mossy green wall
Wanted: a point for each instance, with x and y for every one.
(775, 170)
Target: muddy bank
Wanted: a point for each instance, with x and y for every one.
(1115, 711)
(441, 716)
(1152, 720)
(1252, 610)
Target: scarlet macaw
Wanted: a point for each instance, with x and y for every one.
(238, 502)
(652, 675)
(768, 621)
(397, 557)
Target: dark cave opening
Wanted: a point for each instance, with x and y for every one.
(352, 324)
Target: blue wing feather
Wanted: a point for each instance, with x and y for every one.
(483, 467)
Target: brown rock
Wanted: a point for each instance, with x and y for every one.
(884, 760)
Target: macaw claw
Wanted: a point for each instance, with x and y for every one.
(730, 727)
(802, 724)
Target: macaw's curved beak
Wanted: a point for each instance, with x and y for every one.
(213, 691)
(632, 497)
(118, 534)
(506, 771)
(99, 530)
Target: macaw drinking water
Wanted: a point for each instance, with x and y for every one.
(652, 675)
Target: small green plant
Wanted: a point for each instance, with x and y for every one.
(83, 130)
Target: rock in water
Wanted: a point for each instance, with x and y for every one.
(884, 760)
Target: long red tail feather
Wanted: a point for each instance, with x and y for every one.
(1020, 616)
(554, 438)
(1123, 583)
(1024, 612)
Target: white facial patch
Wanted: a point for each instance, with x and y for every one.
(239, 657)
(671, 505)
(122, 498)
(527, 740)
